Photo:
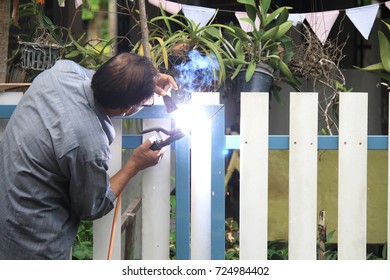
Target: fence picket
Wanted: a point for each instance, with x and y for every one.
(352, 199)
(254, 176)
(303, 175)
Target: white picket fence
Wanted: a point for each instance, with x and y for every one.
(303, 145)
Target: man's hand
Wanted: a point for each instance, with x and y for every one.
(143, 157)
(164, 83)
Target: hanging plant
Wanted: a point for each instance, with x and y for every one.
(43, 47)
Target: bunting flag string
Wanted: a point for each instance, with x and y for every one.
(362, 17)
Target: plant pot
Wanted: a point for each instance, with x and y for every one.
(39, 57)
(261, 81)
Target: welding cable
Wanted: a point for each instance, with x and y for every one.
(113, 228)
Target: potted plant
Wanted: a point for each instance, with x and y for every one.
(193, 54)
(266, 49)
(41, 48)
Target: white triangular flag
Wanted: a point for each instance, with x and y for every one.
(387, 4)
(321, 23)
(200, 15)
(296, 18)
(363, 18)
(246, 26)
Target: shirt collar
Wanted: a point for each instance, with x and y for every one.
(104, 119)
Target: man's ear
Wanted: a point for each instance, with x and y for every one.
(124, 110)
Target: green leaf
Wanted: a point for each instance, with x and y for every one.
(287, 72)
(238, 50)
(387, 24)
(240, 33)
(374, 67)
(275, 14)
(72, 54)
(384, 48)
(250, 71)
(270, 34)
(283, 29)
(251, 12)
(283, 17)
(265, 4)
(235, 73)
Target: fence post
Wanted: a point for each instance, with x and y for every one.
(254, 175)
(303, 176)
(352, 199)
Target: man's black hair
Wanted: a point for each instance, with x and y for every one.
(124, 80)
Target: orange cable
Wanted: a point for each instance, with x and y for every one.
(113, 228)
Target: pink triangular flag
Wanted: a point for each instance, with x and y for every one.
(246, 26)
(172, 7)
(321, 23)
(200, 15)
(387, 4)
(363, 18)
(168, 6)
(78, 3)
(157, 2)
(296, 18)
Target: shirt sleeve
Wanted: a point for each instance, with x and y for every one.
(90, 193)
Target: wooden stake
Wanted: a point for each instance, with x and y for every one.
(321, 235)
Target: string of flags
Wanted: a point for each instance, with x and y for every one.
(362, 17)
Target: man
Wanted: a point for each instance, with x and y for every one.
(54, 152)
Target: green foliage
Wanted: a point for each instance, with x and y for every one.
(268, 42)
(172, 245)
(172, 234)
(232, 250)
(42, 29)
(89, 9)
(277, 250)
(83, 245)
(382, 256)
(382, 68)
(90, 54)
(173, 37)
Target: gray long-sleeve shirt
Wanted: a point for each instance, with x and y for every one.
(54, 157)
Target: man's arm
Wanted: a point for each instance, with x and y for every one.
(143, 157)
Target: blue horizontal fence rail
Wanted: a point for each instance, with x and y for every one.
(219, 142)
(276, 142)
(325, 142)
